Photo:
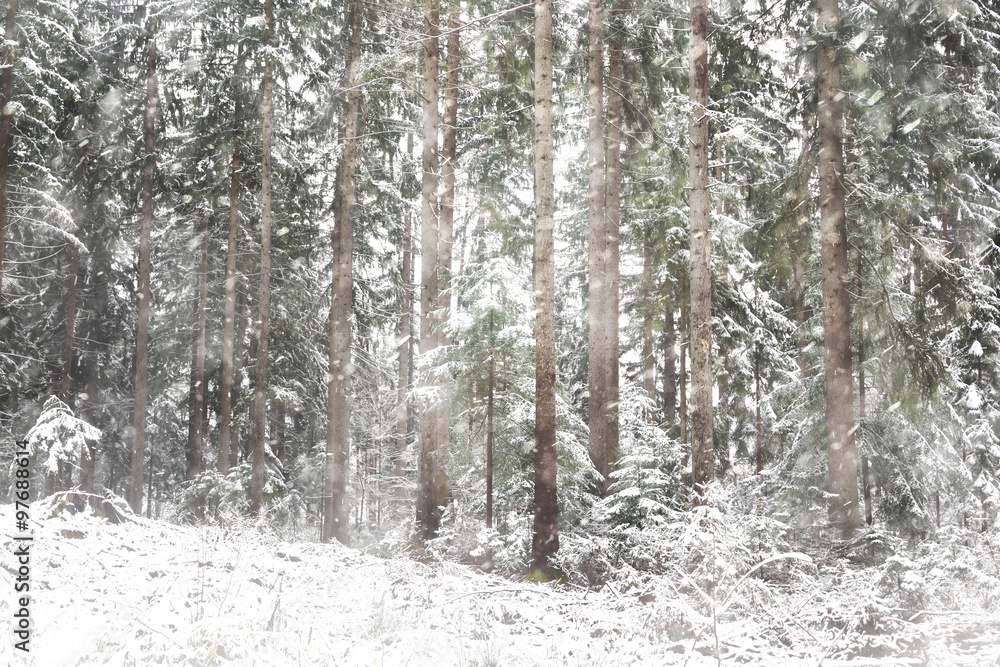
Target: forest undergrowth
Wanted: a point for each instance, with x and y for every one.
(728, 582)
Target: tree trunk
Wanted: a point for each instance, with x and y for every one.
(865, 485)
(142, 326)
(682, 380)
(70, 325)
(6, 90)
(446, 234)
(648, 358)
(96, 342)
(759, 423)
(277, 437)
(405, 341)
(241, 327)
(669, 367)
(88, 459)
(616, 75)
(229, 311)
(430, 466)
(801, 247)
(702, 449)
(843, 470)
(599, 344)
(545, 531)
(489, 429)
(258, 411)
(196, 393)
(338, 412)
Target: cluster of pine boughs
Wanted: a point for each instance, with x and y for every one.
(384, 162)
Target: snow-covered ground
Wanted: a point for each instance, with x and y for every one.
(149, 592)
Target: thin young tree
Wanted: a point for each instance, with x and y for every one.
(648, 357)
(669, 363)
(843, 470)
(702, 449)
(404, 345)
(142, 325)
(490, 387)
(545, 531)
(336, 515)
(258, 411)
(196, 391)
(242, 317)
(67, 377)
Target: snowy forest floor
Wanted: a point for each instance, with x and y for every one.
(150, 592)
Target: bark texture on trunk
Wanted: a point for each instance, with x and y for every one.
(598, 343)
(336, 522)
(702, 448)
(843, 470)
(229, 311)
(430, 467)
(142, 326)
(258, 411)
(545, 531)
(196, 393)
(6, 90)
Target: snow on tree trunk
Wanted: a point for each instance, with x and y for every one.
(702, 451)
(258, 410)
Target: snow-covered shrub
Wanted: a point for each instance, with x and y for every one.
(646, 483)
(228, 498)
(58, 437)
(955, 569)
(900, 581)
